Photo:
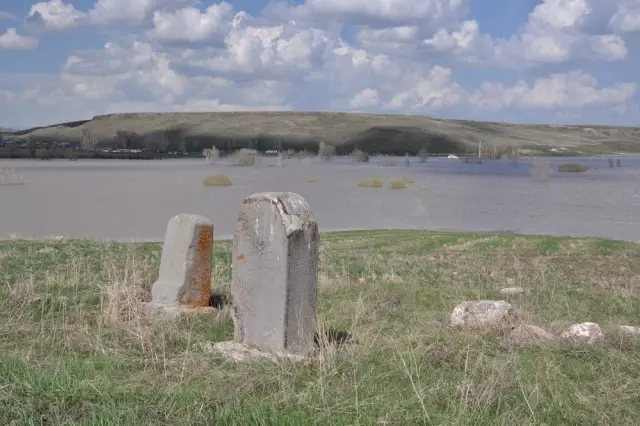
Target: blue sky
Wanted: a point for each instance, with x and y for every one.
(553, 61)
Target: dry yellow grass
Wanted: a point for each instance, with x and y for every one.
(217, 180)
(397, 184)
(371, 183)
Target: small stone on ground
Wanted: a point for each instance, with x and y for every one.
(512, 290)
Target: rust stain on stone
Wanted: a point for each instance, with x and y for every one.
(240, 257)
(199, 291)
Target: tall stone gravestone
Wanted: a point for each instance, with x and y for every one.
(275, 274)
(185, 266)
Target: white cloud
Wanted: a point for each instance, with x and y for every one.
(559, 14)
(6, 16)
(563, 90)
(189, 24)
(11, 40)
(120, 11)
(54, 15)
(391, 10)
(434, 90)
(367, 98)
(171, 55)
(627, 18)
(557, 31)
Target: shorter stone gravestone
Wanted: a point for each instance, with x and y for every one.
(275, 274)
(185, 266)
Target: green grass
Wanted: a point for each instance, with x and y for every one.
(217, 180)
(572, 168)
(76, 347)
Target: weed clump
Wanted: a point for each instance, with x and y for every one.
(310, 180)
(397, 184)
(360, 156)
(571, 168)
(245, 157)
(326, 151)
(211, 155)
(217, 180)
(371, 183)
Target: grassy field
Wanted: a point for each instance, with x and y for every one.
(76, 347)
(370, 132)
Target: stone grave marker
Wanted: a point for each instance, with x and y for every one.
(275, 274)
(185, 266)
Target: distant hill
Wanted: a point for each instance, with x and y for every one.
(387, 134)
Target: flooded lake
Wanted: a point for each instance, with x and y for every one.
(133, 200)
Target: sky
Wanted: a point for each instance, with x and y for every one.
(523, 61)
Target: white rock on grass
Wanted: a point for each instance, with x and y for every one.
(630, 330)
(586, 332)
(482, 314)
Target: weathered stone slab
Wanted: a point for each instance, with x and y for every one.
(482, 314)
(185, 266)
(275, 273)
(239, 352)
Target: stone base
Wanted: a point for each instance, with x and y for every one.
(173, 312)
(239, 352)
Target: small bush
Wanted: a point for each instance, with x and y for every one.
(326, 151)
(371, 183)
(311, 180)
(397, 184)
(540, 170)
(11, 177)
(217, 180)
(211, 155)
(389, 162)
(245, 157)
(407, 179)
(423, 154)
(360, 156)
(571, 168)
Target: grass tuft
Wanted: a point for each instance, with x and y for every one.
(310, 180)
(371, 183)
(397, 184)
(217, 180)
(572, 168)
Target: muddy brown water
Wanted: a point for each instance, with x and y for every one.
(133, 200)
